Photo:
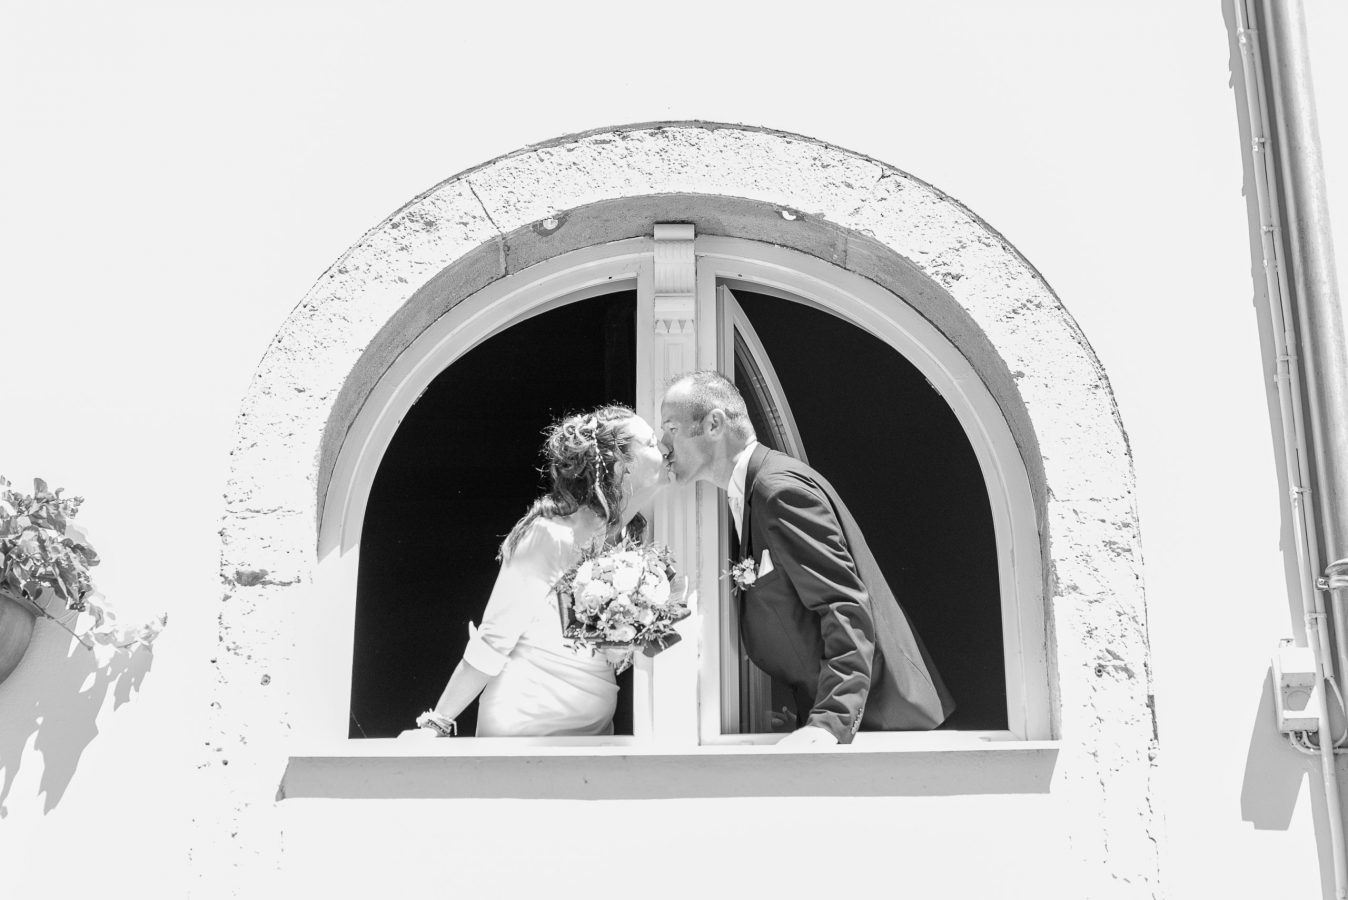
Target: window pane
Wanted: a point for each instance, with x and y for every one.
(760, 695)
(462, 468)
(765, 410)
(890, 445)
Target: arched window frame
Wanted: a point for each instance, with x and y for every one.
(678, 695)
(793, 275)
(608, 185)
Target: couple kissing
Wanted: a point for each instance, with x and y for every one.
(815, 610)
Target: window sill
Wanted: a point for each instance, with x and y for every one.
(931, 764)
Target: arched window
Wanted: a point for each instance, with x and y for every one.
(462, 467)
(781, 219)
(435, 473)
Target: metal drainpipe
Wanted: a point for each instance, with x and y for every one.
(1284, 317)
(1336, 582)
(1324, 335)
(1287, 379)
(1324, 357)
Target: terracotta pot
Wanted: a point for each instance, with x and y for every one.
(16, 630)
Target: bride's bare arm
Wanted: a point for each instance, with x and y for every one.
(464, 686)
(517, 599)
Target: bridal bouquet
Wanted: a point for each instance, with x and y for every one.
(622, 598)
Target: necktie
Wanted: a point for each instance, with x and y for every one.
(737, 513)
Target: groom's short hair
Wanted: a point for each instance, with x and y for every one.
(708, 390)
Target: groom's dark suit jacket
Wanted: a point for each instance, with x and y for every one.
(824, 620)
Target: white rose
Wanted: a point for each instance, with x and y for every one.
(621, 633)
(584, 572)
(645, 616)
(659, 595)
(595, 594)
(625, 577)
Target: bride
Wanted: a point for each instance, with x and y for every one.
(603, 467)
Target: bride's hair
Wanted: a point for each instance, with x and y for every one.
(582, 453)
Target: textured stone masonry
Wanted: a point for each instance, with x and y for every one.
(785, 189)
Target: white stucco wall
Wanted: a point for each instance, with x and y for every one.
(181, 176)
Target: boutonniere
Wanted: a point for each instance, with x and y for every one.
(743, 574)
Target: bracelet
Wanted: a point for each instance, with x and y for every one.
(442, 726)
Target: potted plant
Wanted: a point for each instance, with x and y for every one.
(45, 560)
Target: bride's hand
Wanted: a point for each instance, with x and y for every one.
(414, 734)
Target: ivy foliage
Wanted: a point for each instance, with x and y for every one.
(45, 556)
(41, 549)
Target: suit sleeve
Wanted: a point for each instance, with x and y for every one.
(806, 541)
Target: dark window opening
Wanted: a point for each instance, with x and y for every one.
(891, 446)
(463, 466)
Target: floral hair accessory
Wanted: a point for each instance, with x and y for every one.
(743, 574)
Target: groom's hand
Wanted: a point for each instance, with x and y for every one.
(809, 736)
(782, 721)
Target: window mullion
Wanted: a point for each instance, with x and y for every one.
(668, 343)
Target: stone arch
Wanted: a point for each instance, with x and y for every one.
(609, 185)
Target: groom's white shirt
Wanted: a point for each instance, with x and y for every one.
(735, 490)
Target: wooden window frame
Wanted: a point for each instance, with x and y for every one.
(677, 703)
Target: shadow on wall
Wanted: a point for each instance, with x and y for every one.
(1273, 775)
(56, 693)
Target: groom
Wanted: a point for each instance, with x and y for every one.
(818, 615)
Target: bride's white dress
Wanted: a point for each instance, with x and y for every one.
(540, 685)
